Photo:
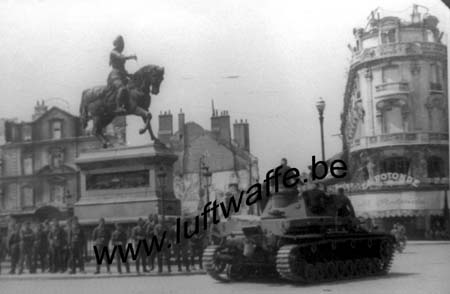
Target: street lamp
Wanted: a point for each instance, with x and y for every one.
(208, 177)
(161, 176)
(320, 105)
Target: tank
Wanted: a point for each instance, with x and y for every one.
(300, 238)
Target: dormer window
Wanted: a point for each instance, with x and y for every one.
(56, 129)
(388, 37)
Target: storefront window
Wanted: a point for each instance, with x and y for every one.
(435, 166)
(396, 165)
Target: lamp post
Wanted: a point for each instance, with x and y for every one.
(161, 176)
(208, 177)
(320, 105)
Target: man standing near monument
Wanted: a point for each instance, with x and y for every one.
(118, 77)
(40, 248)
(119, 238)
(26, 247)
(101, 237)
(55, 239)
(14, 247)
(138, 235)
(76, 242)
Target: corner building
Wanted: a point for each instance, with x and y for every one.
(395, 122)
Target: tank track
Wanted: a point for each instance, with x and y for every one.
(335, 259)
(210, 264)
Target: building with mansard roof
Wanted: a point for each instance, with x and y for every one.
(38, 175)
(395, 122)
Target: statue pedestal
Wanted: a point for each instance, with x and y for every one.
(120, 184)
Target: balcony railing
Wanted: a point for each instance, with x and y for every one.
(400, 86)
(400, 49)
(400, 139)
(436, 87)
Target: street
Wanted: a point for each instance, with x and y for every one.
(423, 268)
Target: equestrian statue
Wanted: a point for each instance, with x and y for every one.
(124, 94)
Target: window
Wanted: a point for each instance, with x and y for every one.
(397, 164)
(390, 74)
(26, 133)
(56, 157)
(28, 164)
(388, 37)
(56, 129)
(57, 193)
(435, 77)
(27, 196)
(435, 167)
(392, 120)
(430, 36)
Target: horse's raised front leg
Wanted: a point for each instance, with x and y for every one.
(146, 117)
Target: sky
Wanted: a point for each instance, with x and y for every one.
(284, 56)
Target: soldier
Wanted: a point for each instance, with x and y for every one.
(138, 235)
(197, 246)
(344, 205)
(164, 254)
(14, 247)
(76, 242)
(119, 238)
(101, 236)
(149, 231)
(180, 250)
(40, 248)
(2, 252)
(55, 240)
(26, 247)
(65, 251)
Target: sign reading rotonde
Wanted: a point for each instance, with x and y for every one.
(379, 181)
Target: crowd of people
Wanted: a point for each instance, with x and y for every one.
(54, 248)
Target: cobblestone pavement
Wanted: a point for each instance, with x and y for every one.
(422, 268)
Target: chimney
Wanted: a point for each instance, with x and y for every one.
(220, 125)
(165, 127)
(242, 134)
(2, 132)
(39, 110)
(181, 123)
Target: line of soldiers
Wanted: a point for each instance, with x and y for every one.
(186, 253)
(47, 246)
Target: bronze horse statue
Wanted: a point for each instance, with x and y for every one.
(98, 103)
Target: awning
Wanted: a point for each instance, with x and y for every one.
(399, 204)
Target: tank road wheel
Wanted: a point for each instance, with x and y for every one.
(236, 272)
(360, 268)
(311, 273)
(340, 269)
(290, 263)
(213, 265)
(376, 262)
(331, 270)
(320, 271)
(349, 268)
(368, 267)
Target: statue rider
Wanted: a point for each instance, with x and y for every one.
(118, 77)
